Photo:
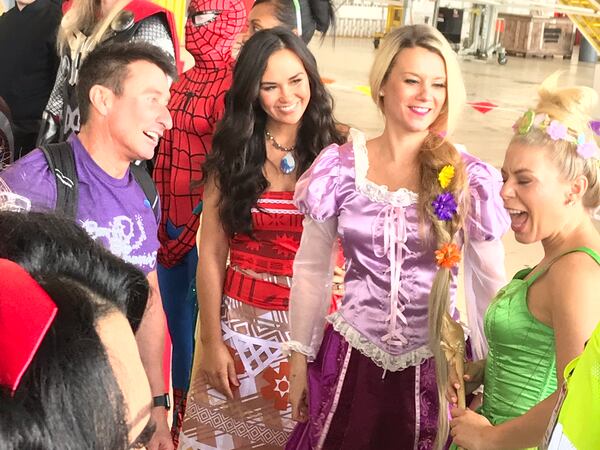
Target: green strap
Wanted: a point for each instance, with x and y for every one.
(595, 256)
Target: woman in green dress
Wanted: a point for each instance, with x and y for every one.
(542, 318)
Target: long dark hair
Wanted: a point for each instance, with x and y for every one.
(68, 396)
(238, 149)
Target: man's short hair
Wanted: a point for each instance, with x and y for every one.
(108, 66)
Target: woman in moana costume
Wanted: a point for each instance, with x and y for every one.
(197, 102)
(277, 117)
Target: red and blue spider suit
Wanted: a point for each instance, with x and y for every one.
(196, 105)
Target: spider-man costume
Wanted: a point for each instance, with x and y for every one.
(197, 103)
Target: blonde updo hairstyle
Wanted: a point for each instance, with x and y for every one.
(572, 107)
(436, 152)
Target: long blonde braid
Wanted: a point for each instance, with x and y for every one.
(432, 160)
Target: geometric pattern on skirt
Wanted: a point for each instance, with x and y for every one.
(259, 416)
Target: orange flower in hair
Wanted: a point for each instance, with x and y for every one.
(448, 255)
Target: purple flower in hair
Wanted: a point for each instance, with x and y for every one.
(556, 130)
(444, 206)
(595, 126)
(587, 149)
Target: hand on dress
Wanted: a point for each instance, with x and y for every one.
(474, 371)
(338, 281)
(298, 387)
(470, 430)
(217, 366)
(161, 439)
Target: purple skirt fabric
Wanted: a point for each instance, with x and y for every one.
(353, 406)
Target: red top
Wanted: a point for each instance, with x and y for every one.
(277, 229)
(277, 226)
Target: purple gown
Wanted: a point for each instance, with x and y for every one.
(372, 376)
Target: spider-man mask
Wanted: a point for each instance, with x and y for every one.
(211, 29)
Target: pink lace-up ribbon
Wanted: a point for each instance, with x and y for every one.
(392, 220)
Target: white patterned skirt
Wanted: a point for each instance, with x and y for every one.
(259, 416)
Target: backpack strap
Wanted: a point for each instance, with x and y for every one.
(142, 177)
(62, 163)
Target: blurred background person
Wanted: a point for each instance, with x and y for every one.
(28, 65)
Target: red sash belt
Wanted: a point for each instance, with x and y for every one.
(254, 292)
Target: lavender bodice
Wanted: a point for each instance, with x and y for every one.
(390, 255)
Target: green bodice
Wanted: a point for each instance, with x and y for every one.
(521, 364)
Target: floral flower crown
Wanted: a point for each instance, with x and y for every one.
(586, 148)
(445, 207)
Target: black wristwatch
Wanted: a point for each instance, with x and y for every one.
(162, 400)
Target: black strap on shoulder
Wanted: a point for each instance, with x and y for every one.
(62, 163)
(142, 177)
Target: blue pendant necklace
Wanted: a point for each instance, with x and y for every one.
(288, 163)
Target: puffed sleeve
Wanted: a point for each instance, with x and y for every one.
(310, 296)
(316, 190)
(488, 219)
(483, 252)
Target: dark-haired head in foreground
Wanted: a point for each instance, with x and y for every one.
(85, 386)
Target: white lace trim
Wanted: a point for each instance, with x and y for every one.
(276, 211)
(294, 346)
(275, 201)
(370, 350)
(375, 192)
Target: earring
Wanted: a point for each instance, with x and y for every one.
(571, 201)
(381, 93)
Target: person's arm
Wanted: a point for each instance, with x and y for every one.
(572, 286)
(485, 224)
(484, 276)
(310, 298)
(216, 363)
(52, 114)
(310, 295)
(150, 338)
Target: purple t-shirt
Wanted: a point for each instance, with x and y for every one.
(114, 212)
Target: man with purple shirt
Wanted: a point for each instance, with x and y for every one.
(123, 92)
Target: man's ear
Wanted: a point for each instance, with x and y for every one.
(101, 99)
